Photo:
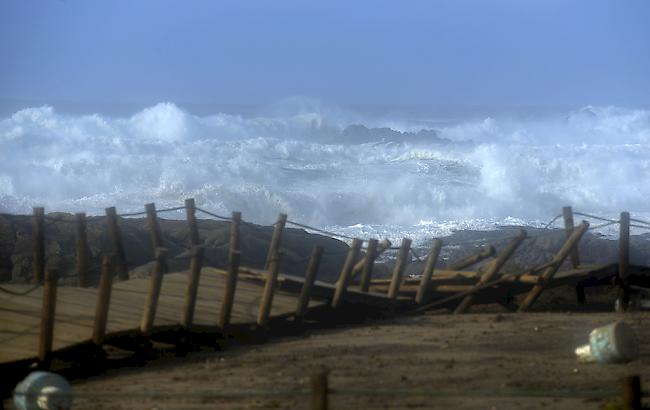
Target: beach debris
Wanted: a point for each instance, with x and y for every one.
(43, 391)
(613, 343)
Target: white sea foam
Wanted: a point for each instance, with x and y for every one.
(303, 163)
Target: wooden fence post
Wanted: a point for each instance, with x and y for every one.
(623, 260)
(115, 236)
(269, 289)
(38, 230)
(276, 240)
(400, 267)
(82, 250)
(319, 390)
(368, 265)
(234, 257)
(154, 228)
(235, 223)
(492, 270)
(548, 273)
(151, 304)
(422, 295)
(103, 299)
(48, 313)
(381, 248)
(192, 286)
(632, 393)
(310, 278)
(346, 271)
(567, 213)
(190, 214)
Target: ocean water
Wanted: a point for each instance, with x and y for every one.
(354, 174)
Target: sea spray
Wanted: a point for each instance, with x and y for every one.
(331, 170)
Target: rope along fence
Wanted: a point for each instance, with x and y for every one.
(413, 251)
(641, 224)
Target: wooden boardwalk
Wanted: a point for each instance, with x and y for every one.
(20, 316)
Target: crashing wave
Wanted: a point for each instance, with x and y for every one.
(326, 170)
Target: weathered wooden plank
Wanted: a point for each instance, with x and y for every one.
(567, 213)
(190, 214)
(368, 265)
(310, 278)
(492, 270)
(103, 300)
(623, 261)
(48, 311)
(346, 271)
(115, 235)
(234, 258)
(400, 267)
(192, 286)
(81, 247)
(549, 272)
(422, 295)
(38, 232)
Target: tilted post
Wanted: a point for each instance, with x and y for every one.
(190, 214)
(81, 250)
(346, 271)
(381, 248)
(492, 270)
(368, 264)
(154, 228)
(567, 213)
(235, 224)
(624, 260)
(422, 295)
(151, 304)
(103, 299)
(308, 284)
(276, 240)
(548, 273)
(192, 287)
(115, 236)
(48, 312)
(400, 267)
(264, 310)
(38, 231)
(234, 257)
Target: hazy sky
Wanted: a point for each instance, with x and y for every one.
(423, 53)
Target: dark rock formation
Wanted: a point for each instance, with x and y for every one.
(16, 246)
(358, 133)
(540, 248)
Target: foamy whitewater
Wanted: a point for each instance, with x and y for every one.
(331, 169)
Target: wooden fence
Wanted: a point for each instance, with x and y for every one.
(434, 288)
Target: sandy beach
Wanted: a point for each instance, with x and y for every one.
(475, 361)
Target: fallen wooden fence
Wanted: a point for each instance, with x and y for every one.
(248, 296)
